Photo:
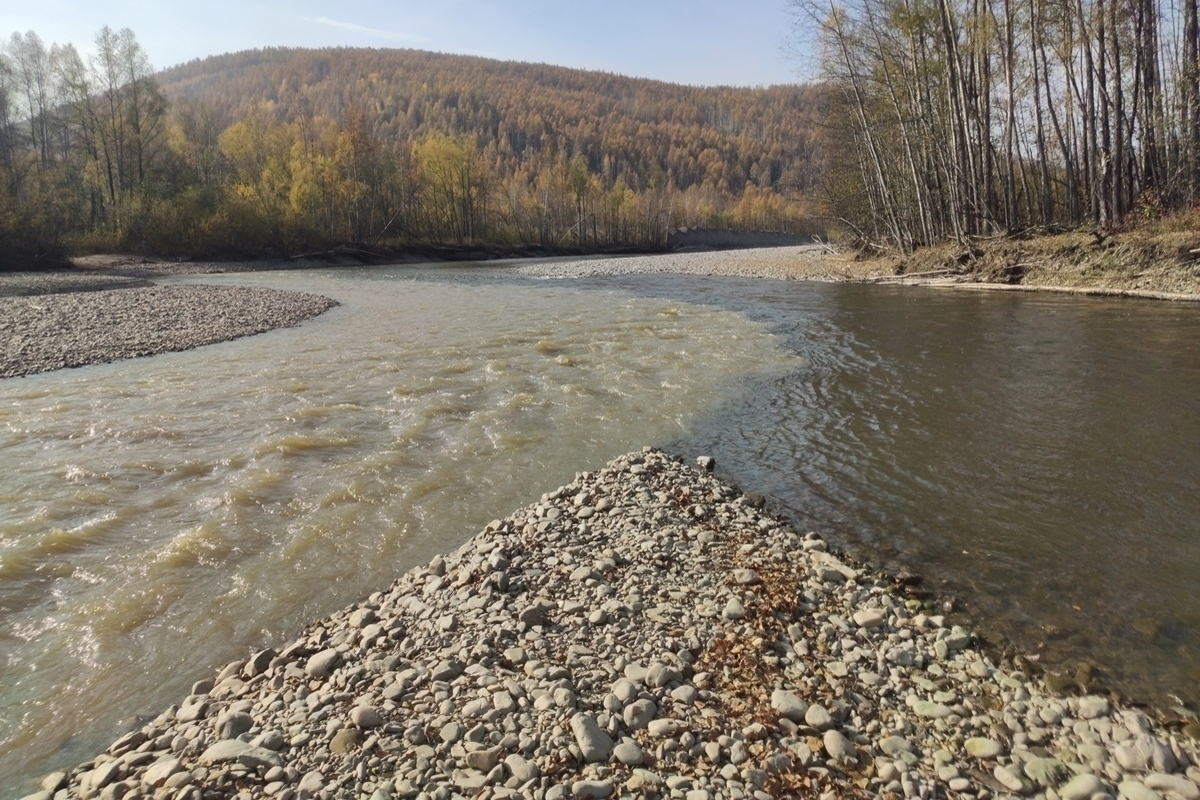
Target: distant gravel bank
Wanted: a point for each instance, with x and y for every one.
(806, 262)
(50, 321)
(645, 631)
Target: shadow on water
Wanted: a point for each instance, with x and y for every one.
(1034, 455)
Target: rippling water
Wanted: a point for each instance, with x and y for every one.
(162, 516)
(159, 517)
(1038, 456)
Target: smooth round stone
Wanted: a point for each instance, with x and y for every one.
(452, 732)
(504, 703)
(983, 749)
(734, 610)
(868, 618)
(345, 741)
(484, 760)
(521, 768)
(639, 714)
(787, 705)
(895, 745)
(684, 694)
(1136, 790)
(924, 708)
(366, 717)
(663, 728)
(746, 577)
(629, 754)
(1009, 779)
(1176, 784)
(594, 744)
(1044, 771)
(233, 724)
(1081, 787)
(1092, 706)
(817, 717)
(838, 746)
(321, 664)
(592, 789)
(625, 691)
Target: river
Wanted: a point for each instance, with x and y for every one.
(1035, 456)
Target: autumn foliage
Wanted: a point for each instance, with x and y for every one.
(278, 151)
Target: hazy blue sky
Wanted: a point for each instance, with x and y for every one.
(739, 42)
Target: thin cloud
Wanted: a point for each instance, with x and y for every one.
(363, 29)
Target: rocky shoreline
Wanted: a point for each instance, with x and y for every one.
(800, 262)
(51, 321)
(645, 631)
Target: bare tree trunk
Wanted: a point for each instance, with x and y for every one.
(1010, 115)
(1104, 196)
(1191, 88)
(1045, 202)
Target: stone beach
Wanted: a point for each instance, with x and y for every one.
(50, 321)
(801, 262)
(645, 631)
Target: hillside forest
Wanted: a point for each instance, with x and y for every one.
(283, 151)
(966, 118)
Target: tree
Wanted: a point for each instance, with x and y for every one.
(1099, 110)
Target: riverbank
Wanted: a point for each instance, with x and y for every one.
(108, 308)
(646, 630)
(57, 319)
(1137, 263)
(70, 324)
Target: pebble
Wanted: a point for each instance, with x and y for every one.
(366, 717)
(817, 717)
(1009, 779)
(321, 664)
(1135, 790)
(838, 746)
(787, 705)
(594, 743)
(602, 788)
(1175, 784)
(1081, 787)
(624, 653)
(983, 748)
(628, 753)
(70, 326)
(869, 618)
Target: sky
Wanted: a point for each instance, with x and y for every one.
(700, 42)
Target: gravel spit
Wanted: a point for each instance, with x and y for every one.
(52, 322)
(644, 631)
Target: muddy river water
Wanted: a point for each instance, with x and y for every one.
(1037, 457)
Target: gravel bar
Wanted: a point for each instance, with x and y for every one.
(804, 262)
(52, 322)
(645, 631)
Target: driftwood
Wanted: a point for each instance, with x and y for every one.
(825, 246)
(1093, 291)
(342, 251)
(912, 276)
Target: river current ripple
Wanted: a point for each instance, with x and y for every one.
(1036, 456)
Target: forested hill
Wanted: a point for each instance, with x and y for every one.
(529, 116)
(288, 150)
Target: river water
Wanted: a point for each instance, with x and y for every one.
(1036, 456)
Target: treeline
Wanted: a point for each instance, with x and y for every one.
(972, 117)
(286, 150)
